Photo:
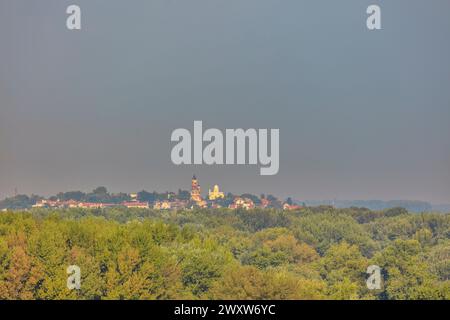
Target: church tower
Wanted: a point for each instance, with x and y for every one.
(195, 190)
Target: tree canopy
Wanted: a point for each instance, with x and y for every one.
(310, 253)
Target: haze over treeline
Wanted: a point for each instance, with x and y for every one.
(101, 194)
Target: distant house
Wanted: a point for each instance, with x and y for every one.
(40, 204)
(179, 204)
(71, 204)
(88, 205)
(55, 204)
(162, 205)
(136, 204)
(242, 203)
(94, 205)
(287, 206)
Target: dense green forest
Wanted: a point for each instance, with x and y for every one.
(312, 253)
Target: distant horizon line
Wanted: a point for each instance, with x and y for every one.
(294, 198)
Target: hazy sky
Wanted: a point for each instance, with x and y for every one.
(362, 115)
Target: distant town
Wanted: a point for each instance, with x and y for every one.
(189, 199)
(100, 198)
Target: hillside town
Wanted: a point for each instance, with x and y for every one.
(215, 199)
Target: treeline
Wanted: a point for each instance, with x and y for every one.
(313, 253)
(410, 205)
(102, 195)
(98, 195)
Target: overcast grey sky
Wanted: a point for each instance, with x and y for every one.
(362, 115)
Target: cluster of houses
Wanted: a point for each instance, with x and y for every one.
(215, 195)
(134, 203)
(215, 199)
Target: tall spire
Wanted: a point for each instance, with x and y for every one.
(196, 191)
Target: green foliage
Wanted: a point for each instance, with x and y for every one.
(312, 253)
(250, 283)
(407, 274)
(344, 267)
(325, 229)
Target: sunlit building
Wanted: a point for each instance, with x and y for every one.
(162, 205)
(196, 196)
(287, 206)
(242, 203)
(136, 204)
(215, 193)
